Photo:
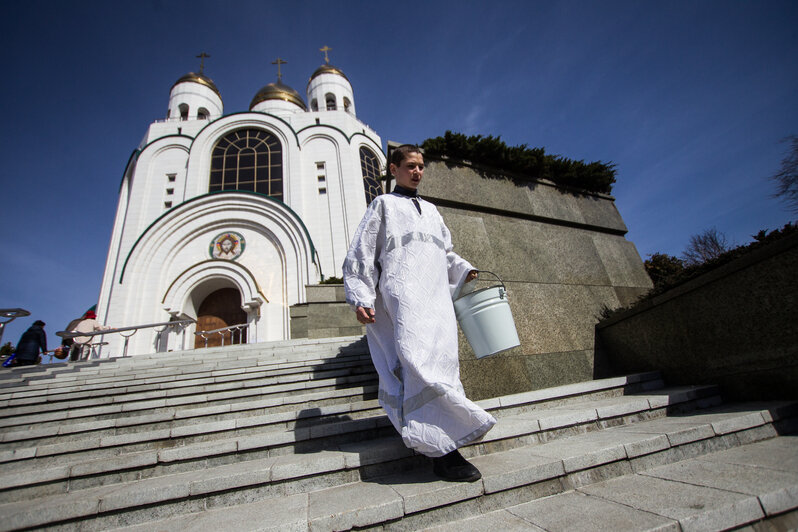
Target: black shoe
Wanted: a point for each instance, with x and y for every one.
(455, 468)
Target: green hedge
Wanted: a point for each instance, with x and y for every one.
(530, 163)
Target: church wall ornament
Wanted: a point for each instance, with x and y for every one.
(228, 245)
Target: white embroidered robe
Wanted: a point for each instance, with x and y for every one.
(401, 264)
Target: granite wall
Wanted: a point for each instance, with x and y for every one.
(736, 326)
(325, 315)
(561, 254)
(563, 257)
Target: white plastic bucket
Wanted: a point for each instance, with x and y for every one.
(486, 320)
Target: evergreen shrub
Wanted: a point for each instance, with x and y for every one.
(530, 163)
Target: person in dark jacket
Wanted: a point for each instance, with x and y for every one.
(31, 342)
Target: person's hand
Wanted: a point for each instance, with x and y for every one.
(473, 274)
(365, 315)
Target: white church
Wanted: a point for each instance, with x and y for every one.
(225, 218)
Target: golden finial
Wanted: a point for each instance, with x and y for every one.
(325, 50)
(279, 62)
(202, 57)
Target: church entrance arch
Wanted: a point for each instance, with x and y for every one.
(221, 308)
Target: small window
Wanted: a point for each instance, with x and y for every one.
(322, 179)
(183, 111)
(202, 114)
(320, 166)
(347, 104)
(170, 191)
(329, 98)
(167, 204)
(314, 104)
(322, 190)
(371, 170)
(171, 177)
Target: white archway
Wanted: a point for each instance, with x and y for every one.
(173, 258)
(184, 296)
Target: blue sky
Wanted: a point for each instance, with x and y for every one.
(690, 99)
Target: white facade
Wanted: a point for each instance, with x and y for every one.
(173, 217)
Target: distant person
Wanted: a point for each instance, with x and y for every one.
(32, 341)
(81, 348)
(67, 343)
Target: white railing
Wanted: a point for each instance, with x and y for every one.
(180, 325)
(241, 328)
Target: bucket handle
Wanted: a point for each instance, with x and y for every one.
(502, 292)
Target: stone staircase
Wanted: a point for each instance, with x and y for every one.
(289, 436)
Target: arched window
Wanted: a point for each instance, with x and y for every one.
(314, 104)
(370, 166)
(248, 159)
(202, 114)
(330, 99)
(347, 104)
(183, 111)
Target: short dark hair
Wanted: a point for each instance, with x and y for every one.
(400, 154)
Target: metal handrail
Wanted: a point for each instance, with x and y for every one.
(165, 324)
(240, 327)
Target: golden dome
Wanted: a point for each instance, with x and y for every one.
(202, 79)
(278, 91)
(328, 69)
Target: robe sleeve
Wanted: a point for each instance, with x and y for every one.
(361, 267)
(458, 267)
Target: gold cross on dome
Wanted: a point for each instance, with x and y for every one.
(202, 57)
(325, 50)
(279, 62)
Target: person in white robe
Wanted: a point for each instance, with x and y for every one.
(399, 275)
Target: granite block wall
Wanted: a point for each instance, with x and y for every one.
(561, 254)
(563, 257)
(736, 326)
(325, 315)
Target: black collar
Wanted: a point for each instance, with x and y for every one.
(409, 192)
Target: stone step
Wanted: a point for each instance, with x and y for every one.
(140, 376)
(179, 398)
(326, 460)
(335, 490)
(241, 418)
(239, 405)
(186, 389)
(99, 418)
(77, 379)
(291, 348)
(182, 360)
(132, 390)
(756, 483)
(128, 436)
(57, 455)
